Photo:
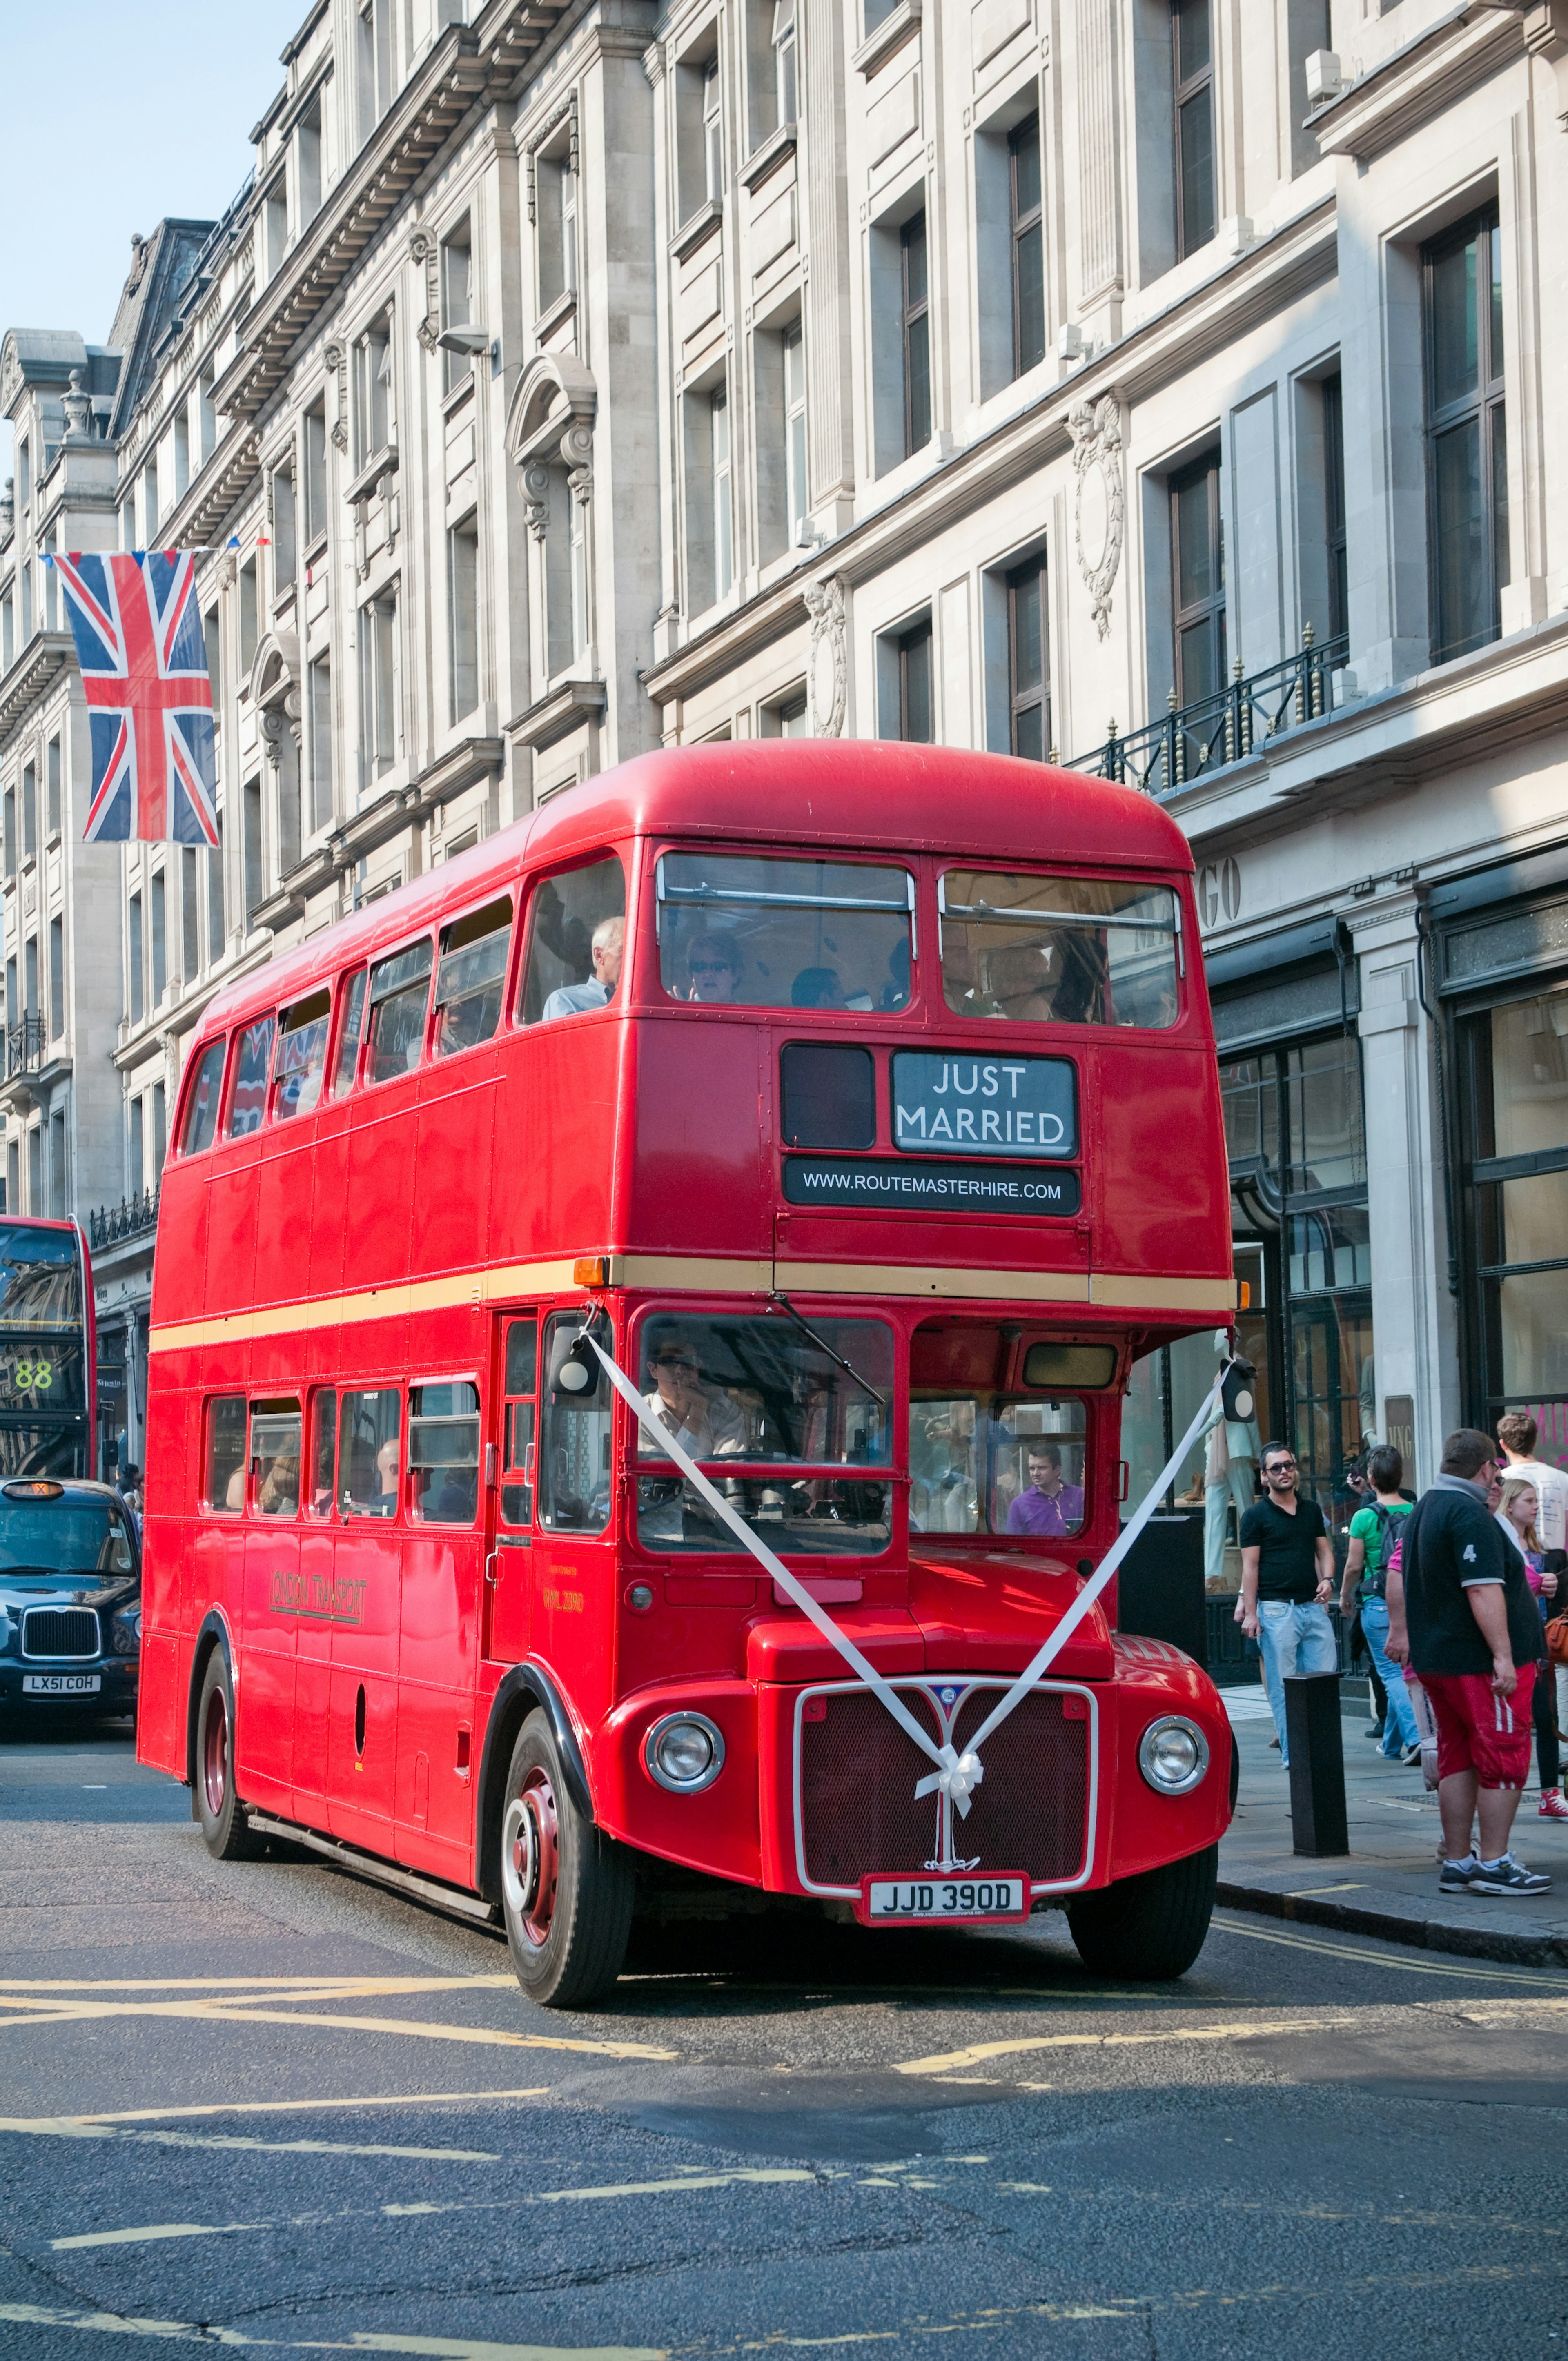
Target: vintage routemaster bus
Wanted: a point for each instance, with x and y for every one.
(860, 1099)
(48, 1353)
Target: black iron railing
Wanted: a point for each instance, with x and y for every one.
(111, 1226)
(1194, 739)
(25, 1049)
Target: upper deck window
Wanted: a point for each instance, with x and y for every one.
(252, 1072)
(577, 941)
(1060, 950)
(302, 1056)
(201, 1107)
(471, 978)
(784, 934)
(352, 995)
(399, 989)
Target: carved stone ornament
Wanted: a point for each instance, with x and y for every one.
(827, 664)
(8, 508)
(577, 458)
(78, 408)
(424, 248)
(1100, 510)
(335, 355)
(536, 499)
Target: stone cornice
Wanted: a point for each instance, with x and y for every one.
(1419, 81)
(35, 672)
(1271, 274)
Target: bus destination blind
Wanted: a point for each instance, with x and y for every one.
(913, 1185)
(945, 1105)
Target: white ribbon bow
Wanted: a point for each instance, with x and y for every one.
(958, 1777)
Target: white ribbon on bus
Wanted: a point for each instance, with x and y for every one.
(955, 1776)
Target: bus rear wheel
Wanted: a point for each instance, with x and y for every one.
(225, 1829)
(567, 1889)
(1146, 1928)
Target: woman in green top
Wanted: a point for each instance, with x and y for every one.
(1373, 1532)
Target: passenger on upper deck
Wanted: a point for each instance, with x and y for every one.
(817, 987)
(1050, 1506)
(608, 950)
(714, 966)
(703, 1422)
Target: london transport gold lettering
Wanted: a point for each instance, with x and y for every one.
(321, 1597)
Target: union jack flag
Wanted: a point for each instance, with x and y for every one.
(143, 656)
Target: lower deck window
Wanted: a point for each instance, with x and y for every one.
(987, 1463)
(444, 1452)
(369, 1463)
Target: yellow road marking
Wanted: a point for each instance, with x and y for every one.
(285, 2106)
(305, 1985)
(222, 2012)
(978, 2052)
(747, 2175)
(1461, 1967)
(358, 2340)
(154, 2230)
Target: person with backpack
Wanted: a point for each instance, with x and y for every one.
(1374, 1531)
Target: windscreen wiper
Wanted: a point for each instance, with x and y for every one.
(775, 1296)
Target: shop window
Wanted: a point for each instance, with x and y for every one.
(1514, 1068)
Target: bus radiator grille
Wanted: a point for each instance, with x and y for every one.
(60, 1631)
(858, 1774)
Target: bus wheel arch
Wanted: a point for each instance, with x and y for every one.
(213, 1635)
(1150, 1928)
(567, 1889)
(525, 1689)
(225, 1830)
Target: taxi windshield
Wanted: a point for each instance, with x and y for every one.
(784, 934)
(1059, 951)
(63, 1537)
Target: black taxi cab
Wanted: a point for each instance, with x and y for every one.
(69, 1597)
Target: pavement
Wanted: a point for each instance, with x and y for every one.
(1387, 1884)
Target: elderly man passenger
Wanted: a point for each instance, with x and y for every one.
(608, 949)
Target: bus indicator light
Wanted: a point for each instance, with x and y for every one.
(591, 1270)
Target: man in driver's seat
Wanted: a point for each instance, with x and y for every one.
(703, 1422)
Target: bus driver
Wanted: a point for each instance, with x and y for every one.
(608, 949)
(703, 1422)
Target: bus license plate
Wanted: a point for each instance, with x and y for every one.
(923, 1901)
(61, 1684)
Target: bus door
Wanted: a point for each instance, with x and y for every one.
(508, 1502)
(366, 1584)
(438, 1626)
(270, 1616)
(312, 1646)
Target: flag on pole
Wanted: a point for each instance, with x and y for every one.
(143, 658)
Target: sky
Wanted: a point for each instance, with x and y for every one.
(119, 112)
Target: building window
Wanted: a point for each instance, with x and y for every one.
(181, 453)
(135, 942)
(285, 541)
(59, 1167)
(160, 941)
(216, 931)
(785, 75)
(308, 162)
(315, 472)
(7, 633)
(10, 831)
(1198, 557)
(319, 691)
(24, 473)
(1467, 458)
(463, 595)
(723, 501)
(456, 300)
(1028, 247)
(378, 686)
(247, 618)
(212, 635)
(56, 978)
(139, 1152)
(254, 880)
(917, 333)
(14, 1176)
(375, 75)
(797, 499)
(712, 132)
(1196, 206)
(35, 1169)
(29, 812)
(1029, 679)
(1334, 505)
(374, 411)
(190, 903)
(159, 1130)
(149, 509)
(275, 225)
(52, 773)
(556, 201)
(207, 416)
(903, 683)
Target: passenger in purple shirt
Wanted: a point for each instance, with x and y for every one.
(1048, 1506)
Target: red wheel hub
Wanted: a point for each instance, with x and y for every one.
(215, 1754)
(531, 1857)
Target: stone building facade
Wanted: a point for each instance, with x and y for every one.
(1162, 385)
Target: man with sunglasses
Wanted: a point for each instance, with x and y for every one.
(1288, 1575)
(704, 1421)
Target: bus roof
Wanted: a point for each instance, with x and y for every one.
(858, 795)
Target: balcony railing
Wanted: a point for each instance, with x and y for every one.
(1194, 739)
(111, 1226)
(24, 1046)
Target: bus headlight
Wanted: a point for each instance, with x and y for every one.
(685, 1752)
(1173, 1754)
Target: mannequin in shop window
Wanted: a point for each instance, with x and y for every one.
(1230, 1473)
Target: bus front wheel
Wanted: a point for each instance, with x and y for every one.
(567, 1889)
(1149, 1927)
(225, 1829)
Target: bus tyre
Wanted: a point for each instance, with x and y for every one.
(225, 1829)
(566, 1888)
(1145, 1928)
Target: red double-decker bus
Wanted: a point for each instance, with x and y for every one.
(858, 1104)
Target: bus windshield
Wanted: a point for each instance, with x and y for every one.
(40, 1278)
(1059, 951)
(784, 934)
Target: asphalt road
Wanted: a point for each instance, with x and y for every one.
(268, 2106)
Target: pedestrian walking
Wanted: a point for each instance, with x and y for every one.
(1374, 1531)
(1517, 1512)
(1460, 1612)
(1288, 1575)
(1519, 1436)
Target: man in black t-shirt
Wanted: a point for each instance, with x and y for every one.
(1287, 1573)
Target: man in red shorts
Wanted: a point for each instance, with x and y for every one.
(1465, 1620)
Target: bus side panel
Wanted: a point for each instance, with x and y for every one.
(698, 1177)
(283, 1214)
(330, 1206)
(1160, 1172)
(451, 1164)
(231, 1228)
(378, 1203)
(179, 1262)
(555, 1139)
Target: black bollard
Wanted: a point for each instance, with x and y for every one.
(1318, 1819)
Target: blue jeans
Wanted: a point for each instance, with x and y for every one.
(1294, 1640)
(1399, 1728)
